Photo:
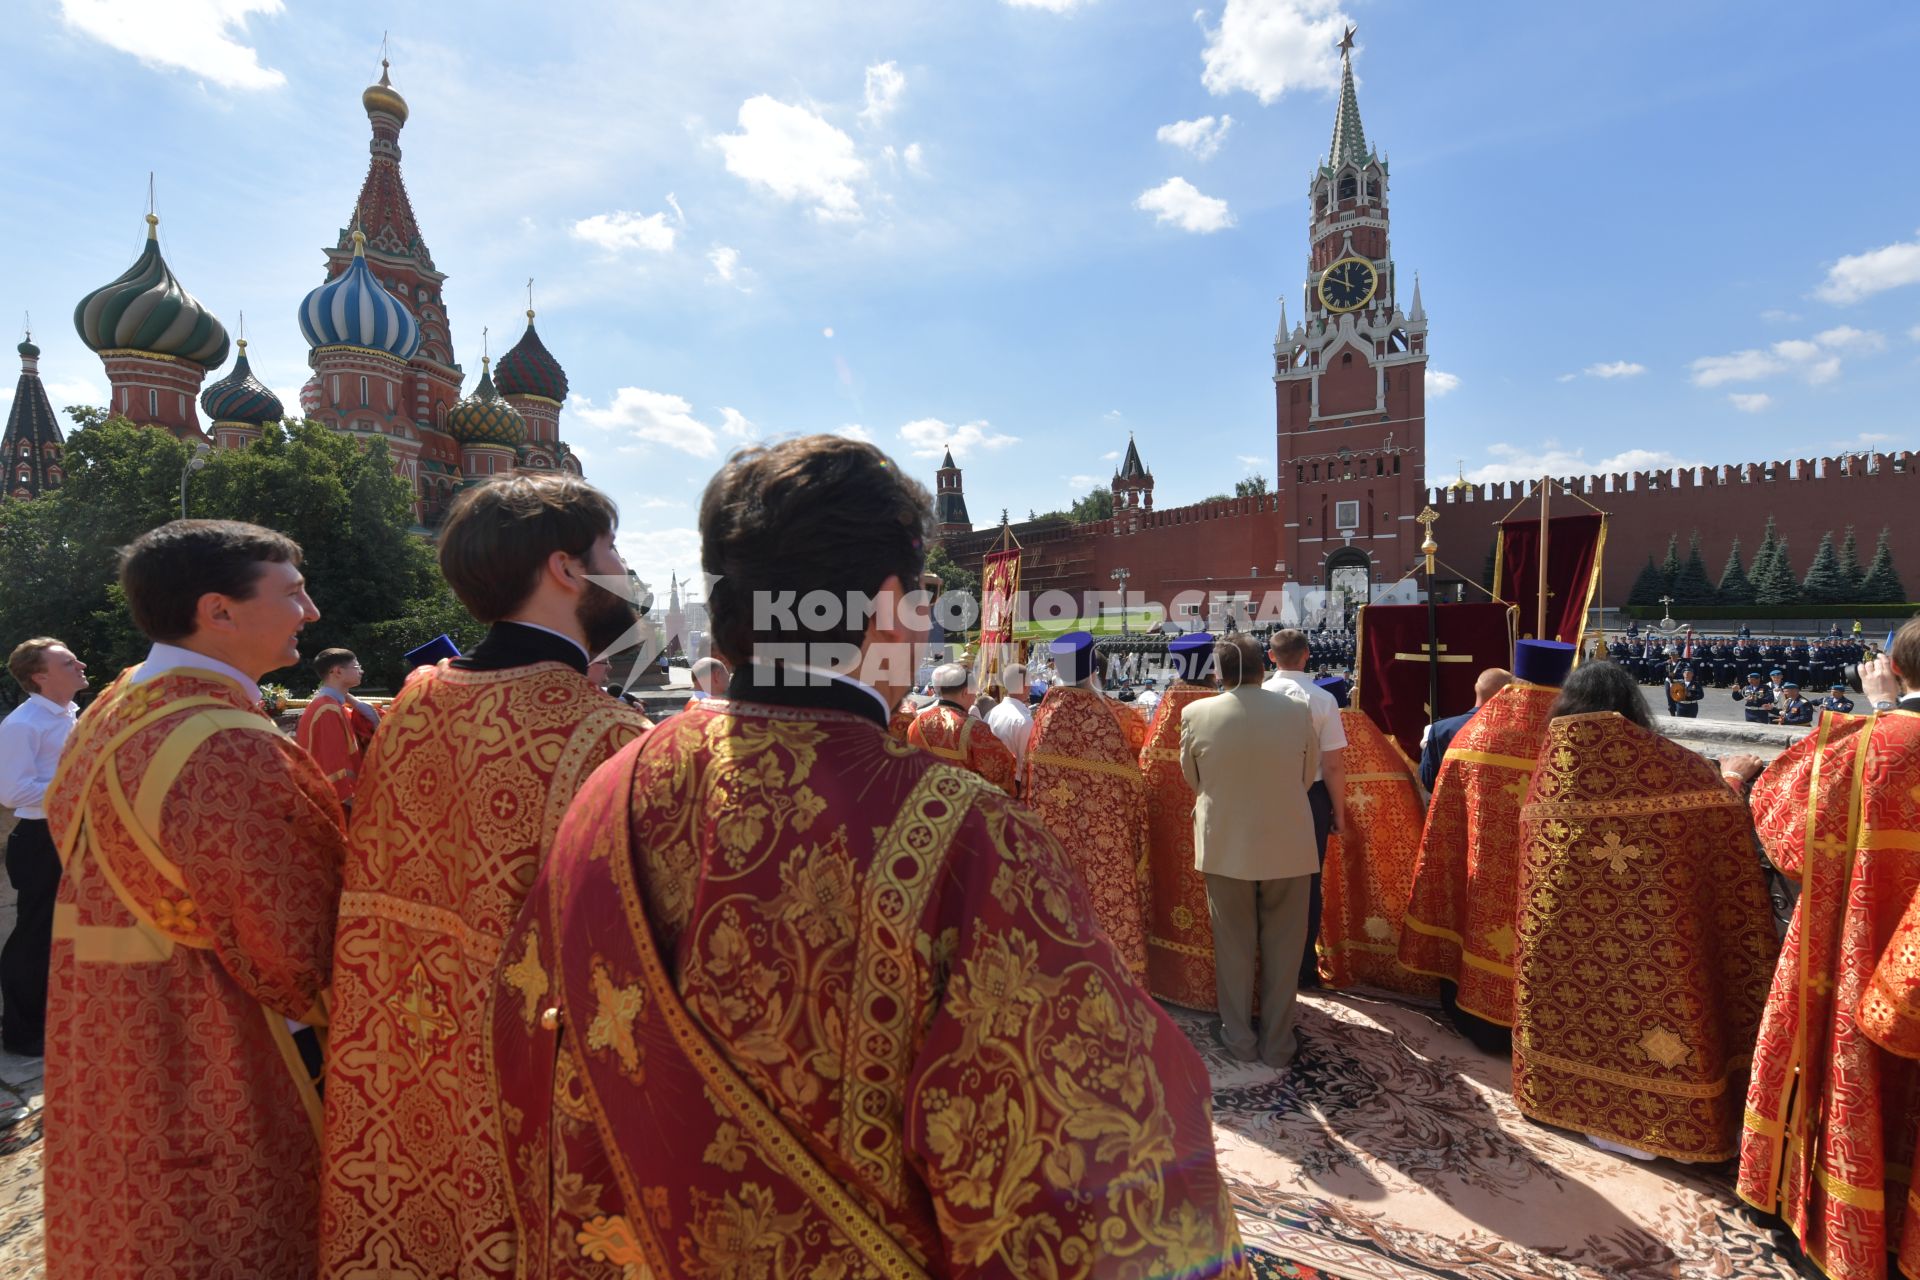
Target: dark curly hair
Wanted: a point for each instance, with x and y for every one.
(1602, 686)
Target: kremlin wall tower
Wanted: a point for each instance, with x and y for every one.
(379, 343)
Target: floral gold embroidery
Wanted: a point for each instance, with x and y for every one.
(612, 1240)
(176, 917)
(1612, 850)
(737, 1236)
(526, 976)
(616, 1010)
(421, 1010)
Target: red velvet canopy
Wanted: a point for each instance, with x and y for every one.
(1391, 647)
(1574, 548)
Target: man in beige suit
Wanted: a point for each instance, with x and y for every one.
(1250, 756)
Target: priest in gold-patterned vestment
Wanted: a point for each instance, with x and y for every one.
(949, 733)
(466, 783)
(1083, 779)
(202, 853)
(791, 999)
(1179, 929)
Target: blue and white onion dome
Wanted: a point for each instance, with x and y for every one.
(145, 309)
(241, 397)
(355, 310)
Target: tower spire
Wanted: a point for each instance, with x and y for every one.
(1349, 139)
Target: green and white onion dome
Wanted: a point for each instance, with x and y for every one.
(147, 310)
(241, 397)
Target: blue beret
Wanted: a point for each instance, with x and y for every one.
(1776, 672)
(1542, 662)
(432, 651)
(1791, 684)
(1190, 654)
(1073, 655)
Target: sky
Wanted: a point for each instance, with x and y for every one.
(1647, 234)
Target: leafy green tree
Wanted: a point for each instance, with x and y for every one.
(1251, 487)
(1825, 583)
(1649, 586)
(1779, 586)
(1850, 564)
(1097, 505)
(1691, 585)
(1735, 586)
(952, 576)
(1882, 584)
(1670, 567)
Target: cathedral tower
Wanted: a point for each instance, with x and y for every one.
(33, 450)
(1132, 490)
(949, 501)
(1349, 380)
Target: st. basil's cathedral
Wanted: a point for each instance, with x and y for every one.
(380, 347)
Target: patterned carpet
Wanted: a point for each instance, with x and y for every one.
(1392, 1149)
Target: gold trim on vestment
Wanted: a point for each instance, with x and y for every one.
(424, 917)
(1168, 755)
(302, 1081)
(1685, 802)
(1523, 764)
(110, 943)
(1869, 1199)
(1180, 948)
(1627, 1079)
(1091, 766)
(1395, 776)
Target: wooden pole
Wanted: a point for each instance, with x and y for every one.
(1540, 624)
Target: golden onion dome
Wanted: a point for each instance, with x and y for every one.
(383, 97)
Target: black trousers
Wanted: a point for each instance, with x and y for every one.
(33, 868)
(1320, 801)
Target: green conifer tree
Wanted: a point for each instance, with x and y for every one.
(1735, 586)
(1670, 567)
(1763, 558)
(1850, 565)
(1780, 586)
(1691, 585)
(1649, 586)
(1882, 584)
(1824, 583)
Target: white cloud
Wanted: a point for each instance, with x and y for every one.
(1914, 333)
(659, 504)
(885, 83)
(1566, 377)
(190, 35)
(659, 555)
(1270, 47)
(854, 431)
(1778, 315)
(645, 417)
(1615, 369)
(1439, 384)
(1112, 455)
(1512, 462)
(931, 438)
(60, 394)
(915, 157)
(1176, 201)
(620, 231)
(1862, 275)
(796, 155)
(1750, 402)
(1051, 6)
(1080, 484)
(1203, 137)
(726, 263)
(1248, 460)
(735, 424)
(1812, 359)
(827, 332)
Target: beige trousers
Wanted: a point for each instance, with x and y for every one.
(1268, 917)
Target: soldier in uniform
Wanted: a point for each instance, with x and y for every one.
(1794, 709)
(1757, 698)
(1685, 694)
(1837, 700)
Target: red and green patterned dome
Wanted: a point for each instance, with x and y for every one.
(530, 369)
(483, 418)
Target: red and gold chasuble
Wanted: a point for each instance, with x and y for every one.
(1179, 928)
(792, 999)
(202, 855)
(1462, 915)
(1133, 723)
(1368, 877)
(1646, 942)
(336, 736)
(956, 737)
(465, 786)
(1831, 1116)
(1083, 778)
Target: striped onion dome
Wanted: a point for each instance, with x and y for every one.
(146, 309)
(483, 418)
(241, 397)
(355, 310)
(529, 369)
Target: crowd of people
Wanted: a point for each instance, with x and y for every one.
(810, 979)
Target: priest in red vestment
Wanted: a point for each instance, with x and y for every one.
(336, 726)
(946, 730)
(464, 789)
(1179, 928)
(1369, 866)
(1083, 779)
(202, 854)
(1463, 914)
(1831, 1115)
(1646, 938)
(792, 999)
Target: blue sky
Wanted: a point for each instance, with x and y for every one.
(1681, 233)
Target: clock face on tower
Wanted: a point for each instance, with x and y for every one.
(1348, 285)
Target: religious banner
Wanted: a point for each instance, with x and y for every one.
(999, 590)
(1574, 547)
(1394, 654)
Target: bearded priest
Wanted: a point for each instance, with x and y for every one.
(1179, 928)
(463, 789)
(792, 999)
(948, 732)
(1083, 779)
(1462, 915)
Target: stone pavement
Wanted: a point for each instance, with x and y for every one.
(20, 1101)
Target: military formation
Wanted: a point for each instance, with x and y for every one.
(1786, 680)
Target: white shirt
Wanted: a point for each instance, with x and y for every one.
(30, 741)
(1320, 704)
(163, 658)
(1012, 723)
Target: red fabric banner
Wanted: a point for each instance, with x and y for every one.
(1574, 547)
(1391, 645)
(999, 593)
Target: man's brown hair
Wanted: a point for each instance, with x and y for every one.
(1287, 644)
(165, 571)
(327, 659)
(1236, 656)
(814, 514)
(29, 659)
(1905, 652)
(498, 536)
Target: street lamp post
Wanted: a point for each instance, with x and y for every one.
(1120, 577)
(197, 461)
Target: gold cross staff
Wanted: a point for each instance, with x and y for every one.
(1429, 548)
